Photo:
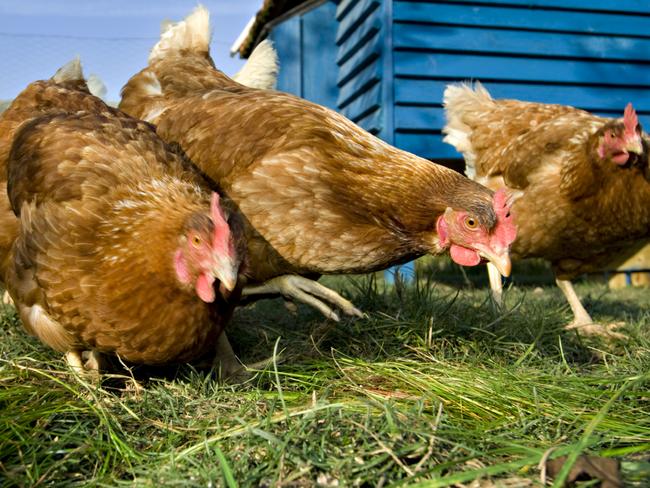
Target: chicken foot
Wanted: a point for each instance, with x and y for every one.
(582, 321)
(229, 364)
(310, 292)
(84, 363)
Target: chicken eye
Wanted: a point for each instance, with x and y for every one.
(196, 241)
(471, 223)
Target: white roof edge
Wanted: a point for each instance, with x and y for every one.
(234, 49)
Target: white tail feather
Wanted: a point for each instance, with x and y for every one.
(96, 86)
(460, 101)
(192, 34)
(71, 71)
(261, 69)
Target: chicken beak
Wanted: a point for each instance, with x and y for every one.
(500, 260)
(226, 271)
(635, 146)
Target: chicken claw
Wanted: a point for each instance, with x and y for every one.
(582, 321)
(85, 363)
(602, 330)
(307, 291)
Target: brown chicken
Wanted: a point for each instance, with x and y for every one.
(122, 247)
(583, 180)
(320, 195)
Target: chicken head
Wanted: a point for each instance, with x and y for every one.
(207, 253)
(617, 140)
(470, 242)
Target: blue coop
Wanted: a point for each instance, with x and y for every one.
(384, 63)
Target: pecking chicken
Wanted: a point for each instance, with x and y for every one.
(122, 248)
(583, 181)
(319, 194)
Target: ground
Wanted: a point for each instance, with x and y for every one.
(434, 388)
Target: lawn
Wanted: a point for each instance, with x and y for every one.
(435, 387)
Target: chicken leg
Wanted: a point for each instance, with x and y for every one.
(310, 292)
(230, 366)
(84, 363)
(581, 319)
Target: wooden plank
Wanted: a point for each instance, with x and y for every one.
(358, 84)
(410, 118)
(362, 58)
(359, 37)
(507, 17)
(372, 122)
(286, 38)
(419, 118)
(458, 66)
(319, 36)
(344, 8)
(359, 13)
(363, 105)
(628, 6)
(417, 91)
(429, 146)
(449, 38)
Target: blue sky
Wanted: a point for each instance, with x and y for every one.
(112, 37)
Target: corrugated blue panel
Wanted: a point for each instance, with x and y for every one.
(363, 105)
(519, 18)
(548, 44)
(354, 18)
(631, 6)
(419, 117)
(361, 40)
(367, 54)
(359, 37)
(359, 84)
(592, 98)
(372, 122)
(429, 146)
(459, 66)
(344, 8)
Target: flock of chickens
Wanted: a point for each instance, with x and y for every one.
(136, 231)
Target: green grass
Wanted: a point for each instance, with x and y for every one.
(433, 388)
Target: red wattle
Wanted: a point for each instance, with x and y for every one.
(464, 256)
(204, 288)
(621, 159)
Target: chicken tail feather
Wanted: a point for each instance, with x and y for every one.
(191, 34)
(461, 101)
(71, 71)
(261, 69)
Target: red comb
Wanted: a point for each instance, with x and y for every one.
(505, 230)
(630, 120)
(221, 236)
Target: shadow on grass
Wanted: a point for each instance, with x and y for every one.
(425, 315)
(404, 320)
